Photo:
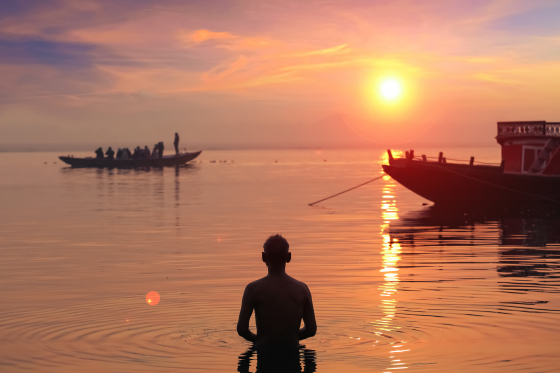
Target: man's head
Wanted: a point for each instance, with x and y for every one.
(276, 251)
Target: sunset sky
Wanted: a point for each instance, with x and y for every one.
(259, 73)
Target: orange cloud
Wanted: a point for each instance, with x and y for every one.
(202, 35)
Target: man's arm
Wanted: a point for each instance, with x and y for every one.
(310, 327)
(245, 316)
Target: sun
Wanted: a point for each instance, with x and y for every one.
(390, 89)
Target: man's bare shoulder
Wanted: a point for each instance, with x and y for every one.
(267, 281)
(299, 283)
(252, 286)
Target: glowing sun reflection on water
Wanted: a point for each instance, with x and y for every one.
(391, 254)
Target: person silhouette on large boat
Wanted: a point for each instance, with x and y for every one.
(160, 149)
(99, 153)
(126, 153)
(136, 154)
(176, 143)
(280, 302)
(155, 151)
(110, 153)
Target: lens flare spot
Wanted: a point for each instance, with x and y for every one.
(152, 298)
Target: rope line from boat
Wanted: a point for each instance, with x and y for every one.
(499, 186)
(347, 190)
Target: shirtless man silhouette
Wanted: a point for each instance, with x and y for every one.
(280, 303)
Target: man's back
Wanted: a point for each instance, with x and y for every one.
(280, 303)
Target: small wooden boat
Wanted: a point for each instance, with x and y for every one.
(168, 160)
(529, 171)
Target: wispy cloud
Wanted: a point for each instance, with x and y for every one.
(223, 39)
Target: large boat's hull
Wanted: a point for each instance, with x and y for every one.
(445, 183)
(170, 160)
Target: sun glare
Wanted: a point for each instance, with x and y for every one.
(390, 89)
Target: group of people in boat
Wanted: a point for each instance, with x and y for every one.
(139, 153)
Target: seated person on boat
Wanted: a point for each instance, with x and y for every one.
(110, 153)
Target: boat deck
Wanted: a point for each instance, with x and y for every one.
(168, 160)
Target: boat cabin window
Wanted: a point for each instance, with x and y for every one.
(530, 153)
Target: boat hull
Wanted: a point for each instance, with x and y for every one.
(459, 184)
(170, 160)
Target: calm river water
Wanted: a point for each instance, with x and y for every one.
(396, 284)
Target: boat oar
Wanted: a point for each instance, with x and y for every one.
(347, 190)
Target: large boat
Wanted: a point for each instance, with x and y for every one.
(168, 160)
(529, 171)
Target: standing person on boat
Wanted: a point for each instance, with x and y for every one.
(155, 151)
(176, 143)
(119, 153)
(99, 153)
(110, 153)
(280, 302)
(160, 149)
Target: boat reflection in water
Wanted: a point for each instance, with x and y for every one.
(526, 237)
(538, 256)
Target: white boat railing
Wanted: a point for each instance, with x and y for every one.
(528, 128)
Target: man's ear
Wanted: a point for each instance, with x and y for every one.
(289, 257)
(263, 257)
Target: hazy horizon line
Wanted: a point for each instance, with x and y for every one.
(66, 147)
